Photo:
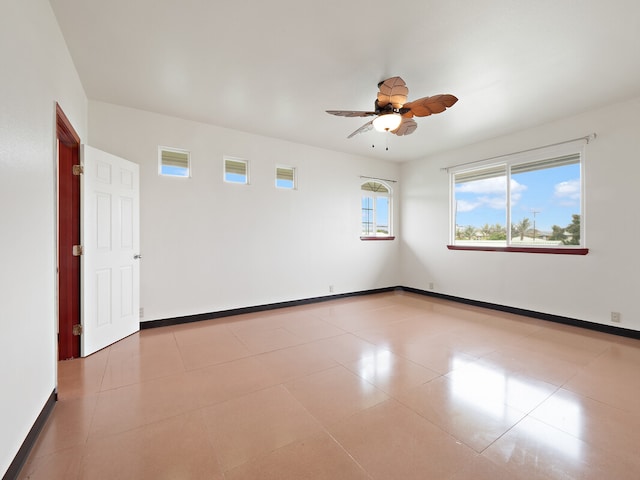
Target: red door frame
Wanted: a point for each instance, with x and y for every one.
(68, 235)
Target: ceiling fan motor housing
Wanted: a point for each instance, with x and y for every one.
(388, 108)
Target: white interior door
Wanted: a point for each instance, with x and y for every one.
(110, 212)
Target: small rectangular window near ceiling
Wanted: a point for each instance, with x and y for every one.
(236, 171)
(173, 162)
(286, 177)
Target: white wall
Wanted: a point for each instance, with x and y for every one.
(582, 287)
(209, 246)
(36, 72)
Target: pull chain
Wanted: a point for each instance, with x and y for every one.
(373, 145)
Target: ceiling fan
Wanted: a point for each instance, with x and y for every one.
(393, 113)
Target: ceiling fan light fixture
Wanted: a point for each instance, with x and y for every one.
(387, 122)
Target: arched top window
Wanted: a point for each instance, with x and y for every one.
(376, 211)
(376, 187)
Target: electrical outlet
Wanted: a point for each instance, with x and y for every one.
(141, 312)
(330, 288)
(616, 317)
(430, 285)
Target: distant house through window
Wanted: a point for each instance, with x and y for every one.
(376, 210)
(173, 162)
(236, 170)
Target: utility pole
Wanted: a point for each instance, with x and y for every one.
(534, 212)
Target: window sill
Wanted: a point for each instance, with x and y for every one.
(377, 238)
(551, 250)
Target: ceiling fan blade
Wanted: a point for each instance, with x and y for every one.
(407, 126)
(364, 128)
(392, 91)
(350, 113)
(426, 106)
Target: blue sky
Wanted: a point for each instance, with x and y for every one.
(175, 171)
(554, 193)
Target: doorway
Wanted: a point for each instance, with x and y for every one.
(68, 236)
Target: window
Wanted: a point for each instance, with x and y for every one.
(376, 210)
(236, 171)
(173, 162)
(538, 195)
(286, 177)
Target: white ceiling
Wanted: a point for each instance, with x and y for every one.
(274, 67)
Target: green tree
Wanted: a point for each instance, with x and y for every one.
(469, 232)
(521, 228)
(574, 230)
(557, 233)
(498, 232)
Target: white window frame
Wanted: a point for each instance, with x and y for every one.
(236, 160)
(507, 161)
(375, 195)
(294, 179)
(161, 163)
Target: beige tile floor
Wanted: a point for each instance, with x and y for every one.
(387, 386)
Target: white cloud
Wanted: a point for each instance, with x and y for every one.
(517, 188)
(570, 189)
(498, 203)
(464, 206)
(492, 185)
(486, 185)
(567, 194)
(486, 201)
(491, 191)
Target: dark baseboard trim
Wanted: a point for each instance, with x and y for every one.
(623, 332)
(22, 455)
(165, 322)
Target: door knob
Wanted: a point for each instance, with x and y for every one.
(137, 256)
